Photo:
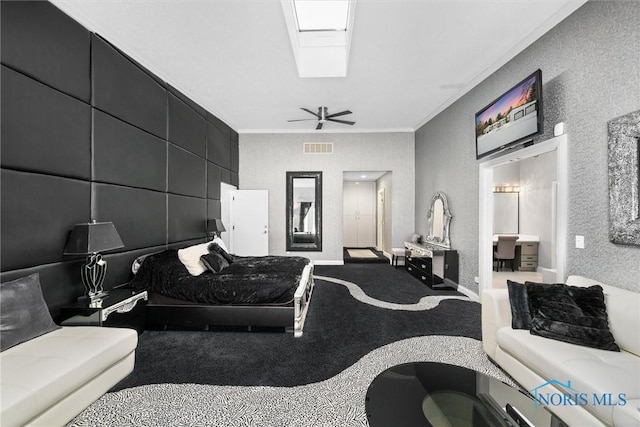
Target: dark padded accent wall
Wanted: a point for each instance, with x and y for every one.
(139, 215)
(44, 130)
(187, 173)
(218, 147)
(40, 41)
(123, 90)
(235, 157)
(87, 133)
(187, 218)
(186, 128)
(126, 155)
(38, 212)
(214, 177)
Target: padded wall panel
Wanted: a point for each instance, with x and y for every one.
(139, 215)
(126, 155)
(214, 209)
(60, 282)
(41, 41)
(38, 212)
(126, 91)
(235, 179)
(235, 158)
(218, 147)
(226, 177)
(186, 128)
(196, 107)
(222, 126)
(187, 218)
(214, 178)
(186, 243)
(44, 130)
(235, 137)
(187, 173)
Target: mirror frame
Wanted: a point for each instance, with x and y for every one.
(316, 246)
(446, 221)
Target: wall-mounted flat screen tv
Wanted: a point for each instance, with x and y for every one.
(510, 119)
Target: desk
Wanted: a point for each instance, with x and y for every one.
(526, 251)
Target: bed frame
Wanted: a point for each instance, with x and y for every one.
(166, 313)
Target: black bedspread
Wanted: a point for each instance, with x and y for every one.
(268, 280)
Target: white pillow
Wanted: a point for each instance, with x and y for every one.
(190, 257)
(220, 243)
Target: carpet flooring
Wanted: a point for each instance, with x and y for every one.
(240, 378)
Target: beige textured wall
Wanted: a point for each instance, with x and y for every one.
(589, 66)
(265, 159)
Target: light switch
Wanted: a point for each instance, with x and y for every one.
(579, 242)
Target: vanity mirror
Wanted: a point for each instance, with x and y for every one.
(304, 211)
(438, 220)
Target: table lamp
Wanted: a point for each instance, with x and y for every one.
(90, 239)
(215, 227)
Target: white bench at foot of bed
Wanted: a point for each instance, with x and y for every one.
(301, 300)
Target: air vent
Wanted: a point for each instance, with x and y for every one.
(318, 148)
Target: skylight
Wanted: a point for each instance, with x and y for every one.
(319, 15)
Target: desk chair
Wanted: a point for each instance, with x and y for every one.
(506, 251)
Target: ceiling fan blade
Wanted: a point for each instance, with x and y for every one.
(319, 126)
(300, 120)
(344, 122)
(341, 113)
(310, 112)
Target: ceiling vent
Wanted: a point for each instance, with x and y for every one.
(317, 148)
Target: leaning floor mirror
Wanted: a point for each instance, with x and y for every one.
(304, 211)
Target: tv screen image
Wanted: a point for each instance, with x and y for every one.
(514, 116)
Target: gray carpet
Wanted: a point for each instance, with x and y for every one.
(337, 401)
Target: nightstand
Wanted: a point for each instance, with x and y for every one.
(120, 308)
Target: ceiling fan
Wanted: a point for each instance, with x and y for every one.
(322, 117)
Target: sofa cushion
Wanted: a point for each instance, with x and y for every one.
(39, 373)
(590, 370)
(23, 312)
(576, 315)
(622, 310)
(519, 302)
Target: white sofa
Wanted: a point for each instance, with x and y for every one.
(50, 379)
(533, 360)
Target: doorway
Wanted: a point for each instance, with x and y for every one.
(380, 220)
(554, 251)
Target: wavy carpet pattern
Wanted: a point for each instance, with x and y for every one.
(425, 303)
(337, 401)
(362, 320)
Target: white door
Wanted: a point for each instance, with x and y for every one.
(250, 222)
(226, 191)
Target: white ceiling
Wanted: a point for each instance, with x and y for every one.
(409, 59)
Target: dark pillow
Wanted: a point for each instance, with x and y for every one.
(23, 312)
(214, 262)
(214, 247)
(520, 316)
(571, 314)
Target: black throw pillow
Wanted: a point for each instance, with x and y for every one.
(571, 314)
(214, 262)
(520, 316)
(23, 312)
(214, 247)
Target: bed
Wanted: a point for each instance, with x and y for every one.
(251, 292)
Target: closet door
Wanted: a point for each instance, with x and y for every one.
(350, 231)
(359, 212)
